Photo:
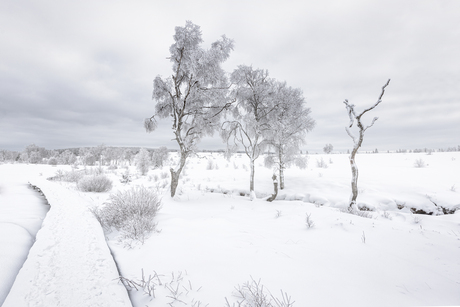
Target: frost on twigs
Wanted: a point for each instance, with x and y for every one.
(195, 96)
(131, 212)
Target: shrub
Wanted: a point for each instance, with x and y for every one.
(131, 212)
(210, 165)
(97, 183)
(126, 177)
(72, 176)
(419, 163)
(52, 161)
(308, 221)
(321, 163)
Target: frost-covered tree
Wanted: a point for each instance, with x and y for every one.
(66, 157)
(328, 148)
(128, 155)
(143, 161)
(87, 156)
(251, 122)
(358, 140)
(159, 157)
(196, 93)
(289, 124)
(35, 153)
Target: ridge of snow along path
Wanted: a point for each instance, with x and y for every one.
(70, 263)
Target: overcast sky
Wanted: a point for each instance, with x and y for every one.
(80, 73)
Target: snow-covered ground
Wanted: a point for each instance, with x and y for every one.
(211, 239)
(69, 263)
(21, 215)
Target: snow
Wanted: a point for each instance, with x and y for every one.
(211, 239)
(21, 215)
(70, 263)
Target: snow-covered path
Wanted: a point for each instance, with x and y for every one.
(70, 263)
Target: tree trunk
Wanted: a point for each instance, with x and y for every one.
(251, 179)
(354, 170)
(281, 177)
(275, 188)
(176, 174)
(354, 181)
(174, 181)
(281, 165)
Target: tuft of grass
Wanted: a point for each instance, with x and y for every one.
(278, 214)
(417, 219)
(308, 221)
(254, 294)
(386, 215)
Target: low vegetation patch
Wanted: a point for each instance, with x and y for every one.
(131, 212)
(95, 183)
(254, 294)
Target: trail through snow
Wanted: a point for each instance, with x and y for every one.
(70, 263)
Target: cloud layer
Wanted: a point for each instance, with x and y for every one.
(80, 73)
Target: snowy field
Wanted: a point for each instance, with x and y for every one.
(212, 239)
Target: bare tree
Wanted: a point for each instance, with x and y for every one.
(195, 95)
(357, 141)
(250, 122)
(289, 125)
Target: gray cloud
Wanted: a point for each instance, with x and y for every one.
(80, 73)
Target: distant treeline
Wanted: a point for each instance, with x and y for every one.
(113, 155)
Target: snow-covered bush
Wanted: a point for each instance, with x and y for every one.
(72, 176)
(52, 161)
(96, 183)
(419, 163)
(131, 212)
(210, 165)
(308, 221)
(321, 163)
(126, 177)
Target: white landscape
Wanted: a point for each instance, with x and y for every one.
(182, 166)
(210, 240)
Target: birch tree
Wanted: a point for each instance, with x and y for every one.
(255, 93)
(289, 125)
(143, 161)
(196, 93)
(357, 141)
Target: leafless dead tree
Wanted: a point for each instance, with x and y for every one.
(357, 141)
